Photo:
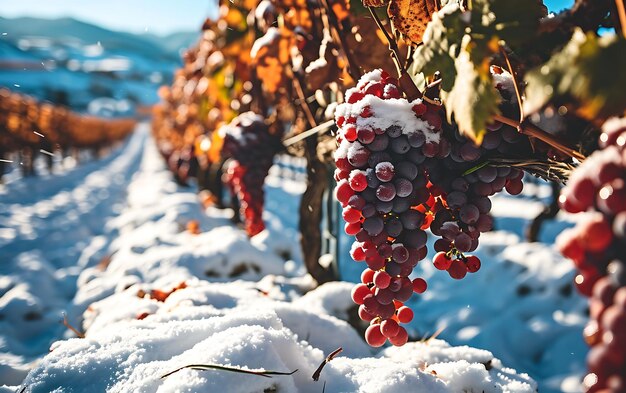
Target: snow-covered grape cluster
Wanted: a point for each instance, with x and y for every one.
(383, 140)
(251, 147)
(400, 171)
(597, 246)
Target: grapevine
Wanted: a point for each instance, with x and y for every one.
(252, 148)
(31, 128)
(485, 92)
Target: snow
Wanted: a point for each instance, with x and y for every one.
(100, 241)
(388, 113)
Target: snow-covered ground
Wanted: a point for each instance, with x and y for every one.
(106, 243)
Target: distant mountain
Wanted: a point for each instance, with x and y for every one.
(69, 30)
(175, 42)
(50, 58)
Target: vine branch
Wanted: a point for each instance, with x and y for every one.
(536, 132)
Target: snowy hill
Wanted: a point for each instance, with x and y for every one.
(72, 30)
(70, 62)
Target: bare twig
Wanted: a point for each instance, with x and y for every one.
(393, 46)
(331, 356)
(536, 132)
(319, 129)
(305, 106)
(517, 93)
(72, 328)
(260, 373)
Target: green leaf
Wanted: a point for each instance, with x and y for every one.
(473, 100)
(588, 74)
(442, 40)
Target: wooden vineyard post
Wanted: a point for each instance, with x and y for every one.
(311, 214)
(331, 223)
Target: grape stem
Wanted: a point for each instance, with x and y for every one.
(515, 85)
(536, 132)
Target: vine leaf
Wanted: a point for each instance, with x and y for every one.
(473, 100)
(580, 74)
(442, 40)
(410, 17)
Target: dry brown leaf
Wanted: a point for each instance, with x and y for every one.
(410, 17)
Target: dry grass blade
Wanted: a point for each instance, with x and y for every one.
(72, 328)
(331, 356)
(435, 335)
(260, 373)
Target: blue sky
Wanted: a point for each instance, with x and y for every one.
(155, 16)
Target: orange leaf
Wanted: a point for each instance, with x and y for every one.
(410, 17)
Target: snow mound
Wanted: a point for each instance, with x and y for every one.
(153, 298)
(234, 325)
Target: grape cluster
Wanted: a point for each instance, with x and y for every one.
(251, 147)
(383, 140)
(597, 246)
(462, 179)
(402, 170)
